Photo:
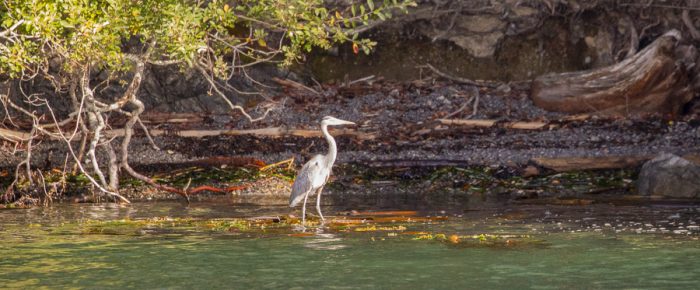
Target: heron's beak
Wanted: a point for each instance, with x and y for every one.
(342, 122)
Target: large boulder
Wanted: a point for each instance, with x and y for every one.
(670, 176)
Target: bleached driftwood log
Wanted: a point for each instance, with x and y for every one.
(651, 81)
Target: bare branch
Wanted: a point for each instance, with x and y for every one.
(473, 99)
(690, 25)
(634, 38)
(11, 29)
(459, 79)
(215, 88)
(148, 135)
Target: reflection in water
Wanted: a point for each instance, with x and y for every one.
(324, 241)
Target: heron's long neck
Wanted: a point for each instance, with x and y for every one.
(332, 148)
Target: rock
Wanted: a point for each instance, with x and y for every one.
(479, 34)
(481, 23)
(522, 11)
(479, 45)
(670, 176)
(531, 171)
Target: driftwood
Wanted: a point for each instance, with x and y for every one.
(273, 132)
(267, 132)
(14, 136)
(293, 84)
(160, 118)
(487, 123)
(651, 81)
(564, 164)
(415, 163)
(217, 161)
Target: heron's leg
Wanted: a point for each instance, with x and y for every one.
(303, 211)
(318, 203)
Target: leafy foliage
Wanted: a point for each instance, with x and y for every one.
(96, 32)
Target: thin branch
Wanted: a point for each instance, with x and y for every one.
(473, 99)
(11, 29)
(364, 79)
(459, 79)
(452, 24)
(223, 96)
(690, 25)
(634, 38)
(148, 135)
(293, 84)
(270, 26)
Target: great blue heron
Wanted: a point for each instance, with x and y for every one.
(314, 175)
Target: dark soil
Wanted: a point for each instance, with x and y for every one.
(397, 113)
(403, 117)
(411, 145)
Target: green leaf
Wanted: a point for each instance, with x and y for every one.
(370, 4)
(65, 24)
(381, 16)
(8, 22)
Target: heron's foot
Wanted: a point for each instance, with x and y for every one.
(319, 230)
(299, 228)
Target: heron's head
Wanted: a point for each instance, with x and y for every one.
(332, 121)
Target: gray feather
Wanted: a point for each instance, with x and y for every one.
(302, 184)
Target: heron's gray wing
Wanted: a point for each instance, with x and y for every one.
(303, 182)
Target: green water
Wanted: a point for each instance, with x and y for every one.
(597, 246)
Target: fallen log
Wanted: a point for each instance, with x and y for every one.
(415, 163)
(385, 213)
(469, 122)
(236, 161)
(273, 132)
(564, 164)
(293, 84)
(267, 132)
(160, 118)
(651, 81)
(481, 123)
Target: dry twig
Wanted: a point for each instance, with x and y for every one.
(460, 79)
